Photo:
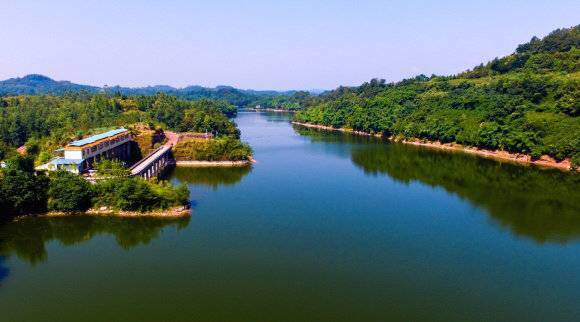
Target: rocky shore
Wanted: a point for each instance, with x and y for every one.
(200, 164)
(175, 212)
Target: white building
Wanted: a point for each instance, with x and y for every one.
(79, 156)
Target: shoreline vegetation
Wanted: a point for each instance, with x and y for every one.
(521, 108)
(544, 161)
(214, 151)
(192, 149)
(197, 130)
(524, 107)
(24, 192)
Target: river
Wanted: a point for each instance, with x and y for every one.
(324, 227)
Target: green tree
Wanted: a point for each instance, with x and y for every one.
(526, 102)
(20, 163)
(22, 191)
(136, 194)
(111, 169)
(68, 192)
(210, 121)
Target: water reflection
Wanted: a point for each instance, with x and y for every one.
(27, 238)
(535, 203)
(271, 116)
(316, 135)
(3, 269)
(335, 143)
(210, 176)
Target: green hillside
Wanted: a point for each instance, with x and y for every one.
(525, 102)
(42, 85)
(43, 123)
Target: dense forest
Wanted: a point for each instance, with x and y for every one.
(46, 122)
(41, 85)
(527, 102)
(43, 123)
(294, 102)
(23, 191)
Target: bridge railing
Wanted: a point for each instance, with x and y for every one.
(145, 158)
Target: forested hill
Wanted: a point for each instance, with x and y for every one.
(527, 102)
(39, 84)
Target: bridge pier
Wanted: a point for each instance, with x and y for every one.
(154, 164)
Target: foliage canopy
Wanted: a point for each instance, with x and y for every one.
(527, 102)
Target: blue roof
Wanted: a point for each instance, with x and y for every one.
(58, 161)
(95, 138)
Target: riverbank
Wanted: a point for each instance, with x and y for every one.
(276, 110)
(175, 212)
(544, 161)
(201, 164)
(213, 163)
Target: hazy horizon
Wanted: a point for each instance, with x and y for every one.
(263, 46)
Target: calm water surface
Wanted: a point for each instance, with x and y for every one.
(325, 227)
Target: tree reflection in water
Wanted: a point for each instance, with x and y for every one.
(211, 176)
(27, 237)
(535, 203)
(3, 269)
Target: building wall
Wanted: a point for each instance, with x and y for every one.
(73, 154)
(92, 150)
(115, 147)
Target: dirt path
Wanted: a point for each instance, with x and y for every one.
(172, 138)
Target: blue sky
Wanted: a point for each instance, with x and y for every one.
(264, 44)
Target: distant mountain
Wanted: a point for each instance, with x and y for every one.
(317, 91)
(35, 84)
(39, 84)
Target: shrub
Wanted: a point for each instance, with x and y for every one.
(22, 191)
(221, 149)
(136, 194)
(111, 169)
(69, 192)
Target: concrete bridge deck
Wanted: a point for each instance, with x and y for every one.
(153, 164)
